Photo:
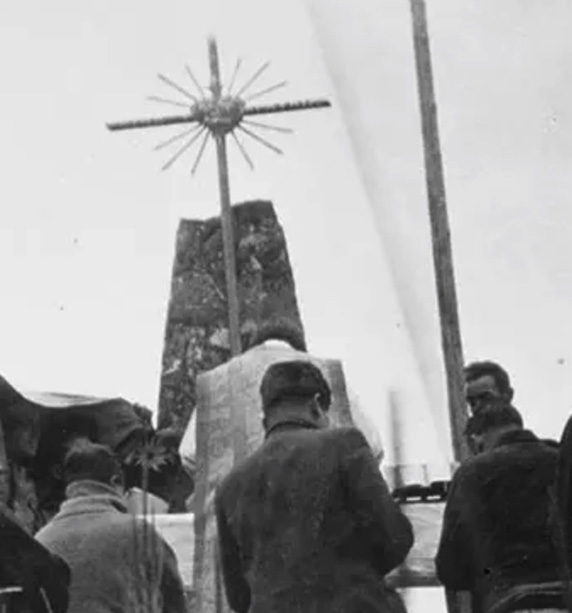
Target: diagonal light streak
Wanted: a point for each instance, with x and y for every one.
(177, 137)
(167, 101)
(174, 85)
(261, 140)
(182, 150)
(234, 75)
(252, 79)
(200, 153)
(242, 150)
(194, 80)
(266, 91)
(266, 126)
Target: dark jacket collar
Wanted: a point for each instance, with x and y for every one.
(517, 436)
(291, 423)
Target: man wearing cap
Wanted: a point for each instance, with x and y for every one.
(497, 540)
(306, 523)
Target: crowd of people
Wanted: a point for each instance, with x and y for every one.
(307, 523)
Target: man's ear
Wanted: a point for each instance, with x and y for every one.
(318, 413)
(510, 394)
(315, 407)
(478, 443)
(118, 482)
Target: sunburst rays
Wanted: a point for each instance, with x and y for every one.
(219, 111)
(253, 131)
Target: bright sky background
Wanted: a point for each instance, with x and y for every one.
(89, 219)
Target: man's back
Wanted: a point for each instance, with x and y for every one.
(104, 547)
(497, 539)
(314, 525)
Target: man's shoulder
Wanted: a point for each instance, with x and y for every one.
(504, 455)
(533, 448)
(346, 439)
(338, 437)
(235, 477)
(474, 466)
(342, 435)
(116, 523)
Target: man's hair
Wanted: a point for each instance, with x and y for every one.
(296, 379)
(497, 414)
(476, 370)
(86, 460)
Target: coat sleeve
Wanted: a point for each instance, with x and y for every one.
(562, 495)
(172, 588)
(56, 582)
(453, 554)
(25, 562)
(236, 587)
(386, 532)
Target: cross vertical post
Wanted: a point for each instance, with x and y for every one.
(227, 221)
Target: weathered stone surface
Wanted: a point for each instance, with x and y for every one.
(196, 336)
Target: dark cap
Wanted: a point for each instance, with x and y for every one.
(294, 379)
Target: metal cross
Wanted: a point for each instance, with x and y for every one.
(218, 113)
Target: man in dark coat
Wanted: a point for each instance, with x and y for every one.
(42, 577)
(119, 563)
(306, 524)
(497, 539)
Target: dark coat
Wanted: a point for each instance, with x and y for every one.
(24, 563)
(497, 539)
(563, 504)
(307, 525)
(104, 546)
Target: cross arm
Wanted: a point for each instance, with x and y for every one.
(303, 105)
(153, 122)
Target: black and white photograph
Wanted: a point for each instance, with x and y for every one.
(286, 309)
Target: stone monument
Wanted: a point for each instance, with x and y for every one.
(197, 335)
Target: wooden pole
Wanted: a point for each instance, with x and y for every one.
(440, 232)
(442, 255)
(227, 222)
(226, 214)
(229, 248)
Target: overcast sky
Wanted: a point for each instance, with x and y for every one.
(89, 219)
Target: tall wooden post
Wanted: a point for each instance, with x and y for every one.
(229, 249)
(440, 232)
(442, 253)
